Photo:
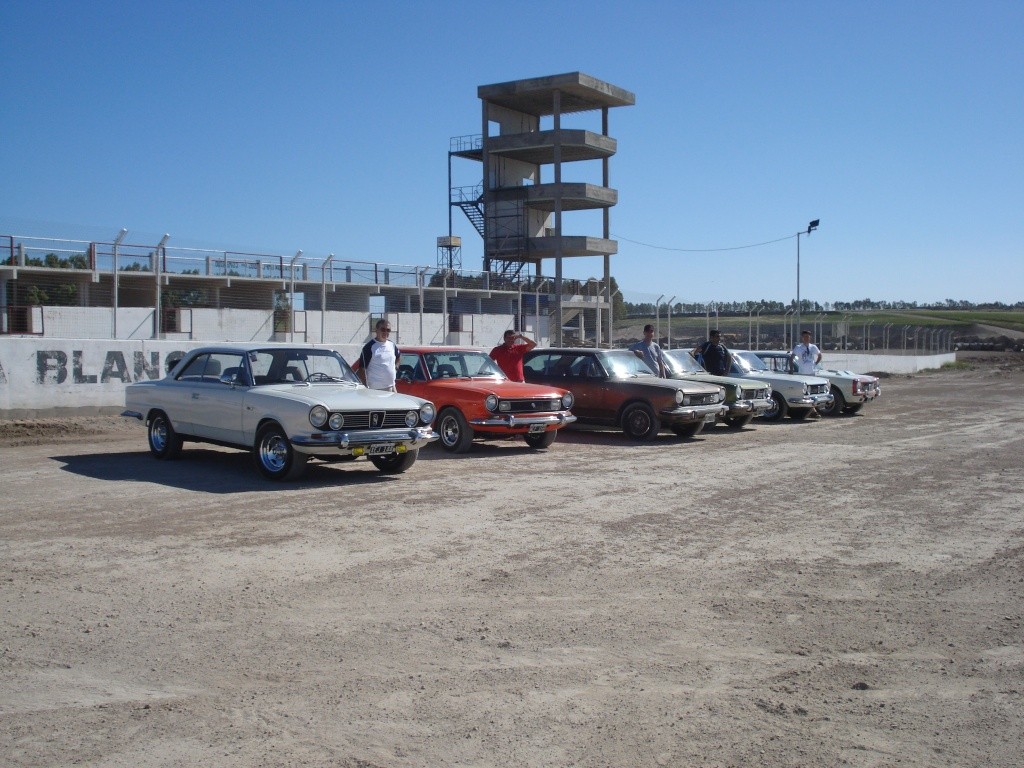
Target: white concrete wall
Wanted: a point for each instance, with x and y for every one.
(41, 376)
(863, 363)
(92, 322)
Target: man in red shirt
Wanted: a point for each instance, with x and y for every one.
(509, 355)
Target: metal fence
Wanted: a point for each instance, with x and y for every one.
(38, 272)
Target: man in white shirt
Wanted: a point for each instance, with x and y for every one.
(806, 355)
(378, 362)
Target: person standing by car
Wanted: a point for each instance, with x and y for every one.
(509, 354)
(650, 352)
(378, 360)
(806, 355)
(713, 355)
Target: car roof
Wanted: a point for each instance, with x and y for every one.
(421, 349)
(569, 350)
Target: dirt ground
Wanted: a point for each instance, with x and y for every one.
(822, 593)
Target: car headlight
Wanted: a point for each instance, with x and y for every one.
(337, 421)
(721, 394)
(681, 399)
(807, 390)
(568, 400)
(491, 403)
(318, 416)
(427, 413)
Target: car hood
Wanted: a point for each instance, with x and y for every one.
(336, 397)
(778, 380)
(725, 381)
(689, 386)
(845, 375)
(485, 386)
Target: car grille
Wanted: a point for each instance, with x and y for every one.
(535, 405)
(361, 420)
(817, 389)
(754, 394)
(709, 399)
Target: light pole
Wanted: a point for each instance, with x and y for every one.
(758, 346)
(113, 316)
(158, 259)
(536, 310)
(669, 322)
(657, 317)
(611, 310)
(810, 228)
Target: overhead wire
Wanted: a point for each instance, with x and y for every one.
(702, 250)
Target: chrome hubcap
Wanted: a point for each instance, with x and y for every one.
(274, 453)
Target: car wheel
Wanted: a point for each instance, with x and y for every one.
(164, 442)
(275, 457)
(852, 409)
(541, 439)
(456, 434)
(640, 422)
(688, 430)
(395, 463)
(837, 405)
(778, 409)
(737, 422)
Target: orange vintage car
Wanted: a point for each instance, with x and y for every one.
(474, 399)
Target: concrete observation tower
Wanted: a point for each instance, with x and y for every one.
(528, 161)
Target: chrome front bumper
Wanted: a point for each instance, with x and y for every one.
(511, 421)
(753, 407)
(345, 442)
(810, 401)
(688, 413)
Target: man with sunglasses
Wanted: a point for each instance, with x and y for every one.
(379, 358)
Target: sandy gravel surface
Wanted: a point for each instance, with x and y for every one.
(824, 593)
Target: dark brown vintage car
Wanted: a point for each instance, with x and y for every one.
(614, 387)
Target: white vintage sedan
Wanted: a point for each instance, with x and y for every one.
(849, 390)
(285, 404)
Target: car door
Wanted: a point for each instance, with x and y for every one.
(411, 378)
(216, 403)
(579, 372)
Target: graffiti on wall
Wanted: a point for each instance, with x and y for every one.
(54, 367)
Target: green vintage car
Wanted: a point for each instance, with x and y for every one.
(745, 398)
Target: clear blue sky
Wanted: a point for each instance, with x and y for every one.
(324, 126)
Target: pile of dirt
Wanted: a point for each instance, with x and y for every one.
(65, 429)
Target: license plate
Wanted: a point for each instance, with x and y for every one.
(536, 428)
(709, 418)
(380, 449)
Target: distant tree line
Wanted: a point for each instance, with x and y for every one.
(646, 309)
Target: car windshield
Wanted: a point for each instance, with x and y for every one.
(748, 362)
(681, 361)
(460, 364)
(287, 365)
(624, 363)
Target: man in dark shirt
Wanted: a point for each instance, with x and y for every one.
(713, 355)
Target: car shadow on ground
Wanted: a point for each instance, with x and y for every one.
(481, 449)
(212, 471)
(592, 435)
